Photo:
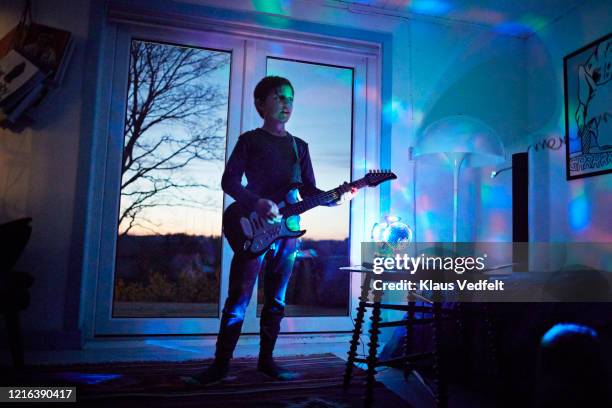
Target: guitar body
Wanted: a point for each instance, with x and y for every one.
(249, 235)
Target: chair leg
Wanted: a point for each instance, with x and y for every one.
(492, 340)
(463, 334)
(408, 339)
(14, 338)
(439, 369)
(352, 353)
(373, 351)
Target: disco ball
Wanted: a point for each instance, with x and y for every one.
(391, 230)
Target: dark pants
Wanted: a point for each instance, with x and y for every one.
(277, 265)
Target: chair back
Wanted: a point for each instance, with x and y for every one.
(14, 236)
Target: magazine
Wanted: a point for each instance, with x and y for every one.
(33, 61)
(17, 77)
(48, 48)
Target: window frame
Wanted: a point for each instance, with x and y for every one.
(245, 40)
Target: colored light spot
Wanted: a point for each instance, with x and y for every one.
(483, 16)
(533, 22)
(271, 10)
(513, 28)
(498, 225)
(434, 7)
(579, 215)
(565, 329)
(423, 202)
(417, 117)
(86, 378)
(396, 111)
(269, 6)
(429, 236)
(169, 345)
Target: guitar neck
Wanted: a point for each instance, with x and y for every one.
(318, 199)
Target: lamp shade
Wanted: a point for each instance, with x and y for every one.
(464, 137)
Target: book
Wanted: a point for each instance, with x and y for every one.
(33, 61)
(19, 109)
(7, 42)
(61, 70)
(17, 77)
(49, 48)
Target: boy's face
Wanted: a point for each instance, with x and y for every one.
(278, 105)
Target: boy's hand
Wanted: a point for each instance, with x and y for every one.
(267, 210)
(348, 193)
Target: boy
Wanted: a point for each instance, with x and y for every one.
(274, 162)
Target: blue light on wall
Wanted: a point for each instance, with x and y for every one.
(513, 28)
(579, 213)
(435, 7)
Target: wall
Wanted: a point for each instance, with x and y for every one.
(576, 210)
(38, 169)
(438, 69)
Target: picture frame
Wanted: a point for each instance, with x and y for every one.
(587, 76)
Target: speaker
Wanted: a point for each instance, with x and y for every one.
(520, 197)
(520, 211)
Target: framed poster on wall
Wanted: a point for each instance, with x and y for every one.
(588, 109)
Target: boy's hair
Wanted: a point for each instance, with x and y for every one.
(266, 86)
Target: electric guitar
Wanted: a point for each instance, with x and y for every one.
(249, 234)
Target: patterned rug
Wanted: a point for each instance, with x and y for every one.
(160, 384)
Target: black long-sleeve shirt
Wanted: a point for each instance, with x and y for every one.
(268, 163)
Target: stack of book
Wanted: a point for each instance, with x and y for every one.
(28, 71)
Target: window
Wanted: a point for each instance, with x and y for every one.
(162, 264)
(168, 261)
(323, 116)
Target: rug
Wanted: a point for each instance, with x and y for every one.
(160, 384)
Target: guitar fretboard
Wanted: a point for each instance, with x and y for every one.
(319, 199)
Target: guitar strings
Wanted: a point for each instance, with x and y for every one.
(332, 194)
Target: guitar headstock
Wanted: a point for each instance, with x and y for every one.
(375, 177)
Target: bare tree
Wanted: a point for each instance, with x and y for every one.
(175, 116)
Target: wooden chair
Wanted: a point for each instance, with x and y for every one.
(14, 285)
